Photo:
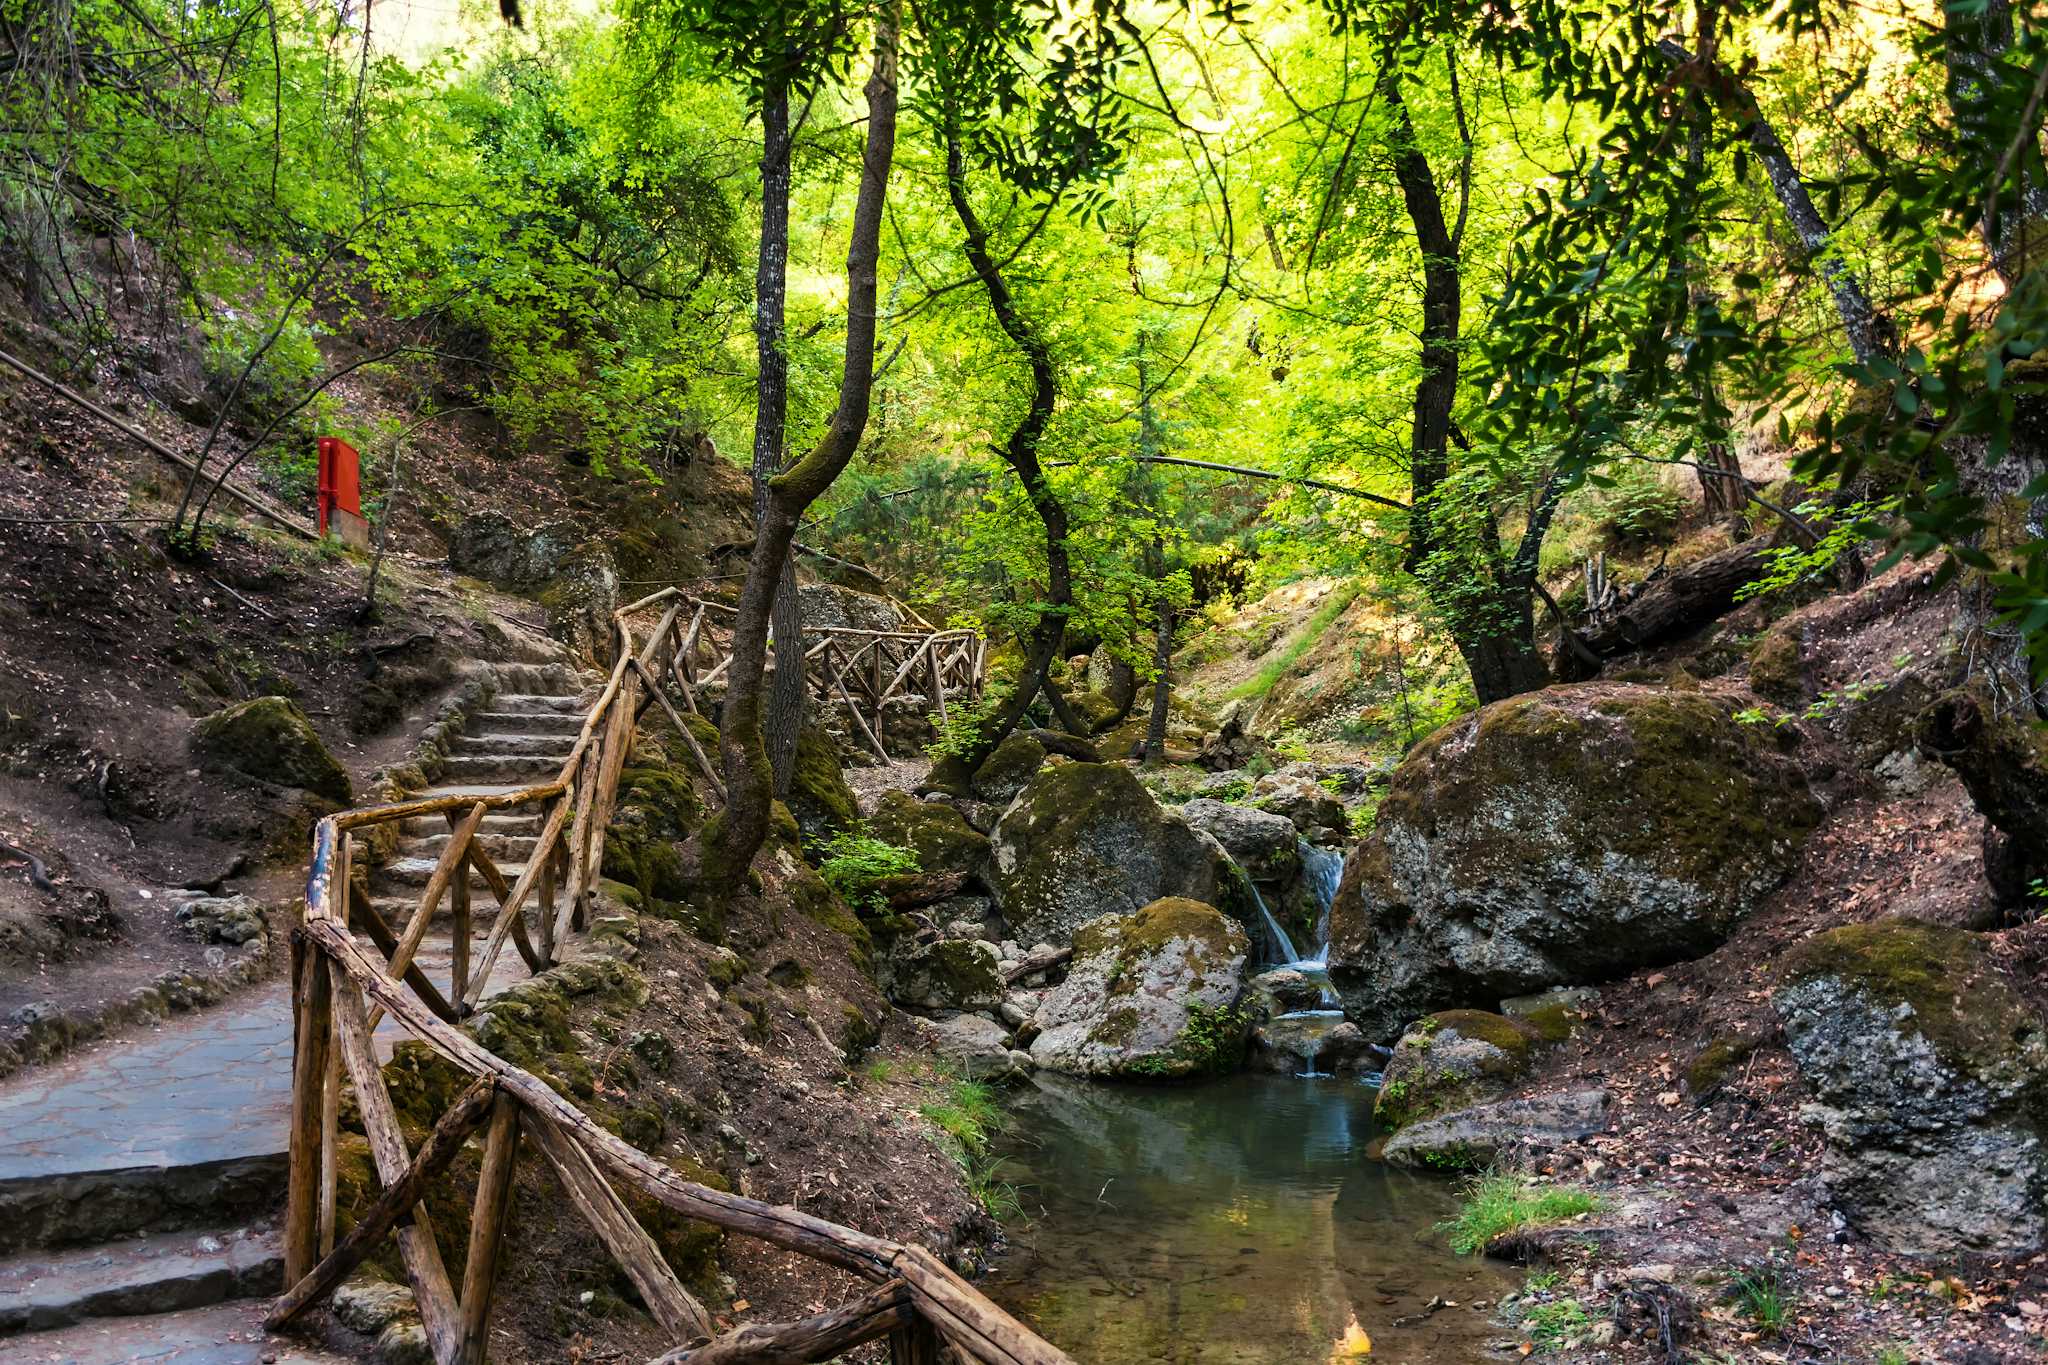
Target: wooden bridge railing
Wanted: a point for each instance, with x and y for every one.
(862, 670)
(340, 990)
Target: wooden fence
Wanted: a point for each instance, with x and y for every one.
(864, 671)
(340, 990)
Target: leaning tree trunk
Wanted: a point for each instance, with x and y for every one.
(771, 412)
(727, 844)
(1020, 452)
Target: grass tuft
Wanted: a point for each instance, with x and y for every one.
(1497, 1204)
(1281, 664)
(968, 1116)
(1761, 1298)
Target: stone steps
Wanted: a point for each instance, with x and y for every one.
(566, 723)
(503, 847)
(512, 771)
(411, 871)
(223, 1334)
(159, 1274)
(486, 745)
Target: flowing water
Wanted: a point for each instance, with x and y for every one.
(1234, 1221)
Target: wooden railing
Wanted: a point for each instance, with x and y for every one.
(340, 990)
(862, 670)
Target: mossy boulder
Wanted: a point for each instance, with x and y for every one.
(1453, 1060)
(1096, 711)
(938, 834)
(818, 795)
(1085, 840)
(1929, 1078)
(270, 739)
(1149, 996)
(658, 806)
(943, 974)
(1007, 770)
(1567, 836)
(1777, 668)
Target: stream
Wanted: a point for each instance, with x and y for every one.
(1239, 1221)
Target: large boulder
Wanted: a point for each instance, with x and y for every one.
(269, 738)
(943, 974)
(1564, 836)
(1085, 840)
(938, 834)
(1009, 769)
(1452, 1061)
(830, 606)
(1929, 1078)
(1151, 995)
(1503, 1132)
(580, 600)
(979, 1047)
(1312, 808)
(1262, 843)
(511, 554)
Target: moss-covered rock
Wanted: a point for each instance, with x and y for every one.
(269, 738)
(1569, 835)
(818, 795)
(1151, 995)
(1453, 1060)
(1085, 840)
(1096, 711)
(1007, 770)
(1715, 1061)
(939, 835)
(1777, 668)
(943, 974)
(1929, 1077)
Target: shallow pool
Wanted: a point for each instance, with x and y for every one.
(1238, 1220)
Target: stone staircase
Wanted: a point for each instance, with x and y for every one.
(520, 740)
(140, 1180)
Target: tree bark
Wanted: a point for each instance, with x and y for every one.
(1020, 452)
(1870, 331)
(771, 416)
(1676, 605)
(728, 843)
(1162, 685)
(2003, 764)
(1497, 639)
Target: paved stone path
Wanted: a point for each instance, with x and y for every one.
(225, 1334)
(201, 1088)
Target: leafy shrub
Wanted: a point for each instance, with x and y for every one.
(855, 865)
(1638, 509)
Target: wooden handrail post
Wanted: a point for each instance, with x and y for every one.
(312, 1013)
(487, 1227)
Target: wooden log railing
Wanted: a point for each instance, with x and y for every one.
(342, 987)
(864, 671)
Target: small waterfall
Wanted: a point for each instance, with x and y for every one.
(1321, 870)
(1277, 941)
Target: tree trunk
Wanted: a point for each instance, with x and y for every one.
(728, 843)
(1020, 452)
(1870, 331)
(771, 414)
(1723, 485)
(1498, 646)
(1162, 685)
(1677, 604)
(2003, 764)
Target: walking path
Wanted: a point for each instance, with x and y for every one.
(138, 1178)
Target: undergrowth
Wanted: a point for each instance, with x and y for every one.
(1497, 1204)
(968, 1118)
(854, 866)
(1282, 664)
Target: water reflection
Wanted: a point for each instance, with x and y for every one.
(1236, 1221)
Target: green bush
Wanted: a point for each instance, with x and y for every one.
(855, 865)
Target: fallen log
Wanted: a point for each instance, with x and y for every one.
(821, 1336)
(914, 890)
(1060, 742)
(1671, 607)
(1031, 966)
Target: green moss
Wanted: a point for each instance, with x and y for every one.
(1096, 711)
(819, 799)
(1712, 1063)
(1776, 668)
(1012, 765)
(963, 970)
(1424, 1078)
(269, 738)
(938, 835)
(1960, 1002)
(1553, 1023)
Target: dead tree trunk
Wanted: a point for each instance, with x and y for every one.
(2003, 764)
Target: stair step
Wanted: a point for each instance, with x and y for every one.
(159, 1274)
(184, 1126)
(416, 871)
(498, 844)
(527, 722)
(486, 744)
(513, 771)
(524, 822)
(531, 703)
(224, 1334)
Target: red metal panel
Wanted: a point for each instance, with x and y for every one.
(340, 479)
